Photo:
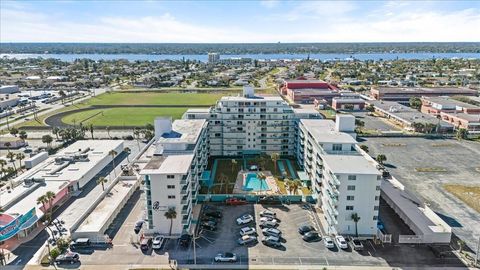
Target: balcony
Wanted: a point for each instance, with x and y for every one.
(185, 189)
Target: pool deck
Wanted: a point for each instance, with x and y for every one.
(270, 180)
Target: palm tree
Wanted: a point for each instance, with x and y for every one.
(47, 139)
(356, 218)
(62, 95)
(23, 135)
(234, 164)
(3, 163)
(12, 157)
(108, 131)
(8, 144)
(113, 153)
(381, 159)
(42, 200)
(296, 184)
(275, 157)
(171, 214)
(91, 130)
(128, 151)
(50, 196)
(102, 180)
(20, 157)
(56, 131)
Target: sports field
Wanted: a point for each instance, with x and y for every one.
(147, 98)
(122, 116)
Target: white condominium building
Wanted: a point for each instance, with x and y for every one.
(344, 181)
(172, 175)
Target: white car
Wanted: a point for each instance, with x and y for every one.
(247, 231)
(341, 242)
(268, 213)
(226, 257)
(158, 242)
(328, 241)
(272, 219)
(245, 219)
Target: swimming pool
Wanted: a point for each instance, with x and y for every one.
(252, 183)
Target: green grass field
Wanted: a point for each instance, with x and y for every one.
(122, 116)
(154, 99)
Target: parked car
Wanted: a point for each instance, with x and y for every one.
(215, 214)
(269, 200)
(247, 231)
(157, 242)
(268, 224)
(146, 243)
(268, 213)
(272, 232)
(305, 229)
(235, 201)
(207, 218)
(138, 226)
(356, 244)
(209, 223)
(264, 219)
(185, 240)
(311, 236)
(247, 239)
(271, 241)
(341, 242)
(328, 241)
(245, 219)
(69, 257)
(226, 257)
(209, 227)
(80, 243)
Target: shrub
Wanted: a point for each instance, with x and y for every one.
(45, 260)
(54, 253)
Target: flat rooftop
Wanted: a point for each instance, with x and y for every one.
(311, 124)
(184, 131)
(106, 208)
(429, 90)
(198, 110)
(253, 99)
(174, 164)
(354, 164)
(424, 219)
(446, 101)
(474, 118)
(323, 131)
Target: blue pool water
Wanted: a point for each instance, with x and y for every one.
(252, 183)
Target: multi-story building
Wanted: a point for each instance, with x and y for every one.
(403, 94)
(172, 174)
(343, 180)
(306, 91)
(213, 57)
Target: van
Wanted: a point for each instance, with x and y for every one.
(80, 243)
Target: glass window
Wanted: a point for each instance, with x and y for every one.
(352, 177)
(350, 187)
(349, 207)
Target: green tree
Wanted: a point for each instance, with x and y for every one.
(55, 131)
(3, 163)
(113, 154)
(23, 135)
(381, 158)
(12, 156)
(171, 214)
(91, 131)
(62, 96)
(8, 145)
(14, 131)
(108, 131)
(356, 218)
(461, 133)
(364, 148)
(42, 200)
(50, 196)
(275, 157)
(20, 157)
(234, 164)
(128, 151)
(370, 108)
(102, 181)
(415, 102)
(47, 139)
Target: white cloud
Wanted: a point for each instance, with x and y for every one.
(306, 22)
(269, 3)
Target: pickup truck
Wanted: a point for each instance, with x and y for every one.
(356, 244)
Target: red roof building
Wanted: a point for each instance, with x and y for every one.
(306, 91)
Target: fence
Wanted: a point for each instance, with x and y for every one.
(252, 198)
(383, 237)
(410, 239)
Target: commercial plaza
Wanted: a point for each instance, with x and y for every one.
(343, 179)
(65, 174)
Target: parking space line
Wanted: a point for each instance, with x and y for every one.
(326, 261)
(372, 246)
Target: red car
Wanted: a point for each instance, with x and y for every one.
(235, 201)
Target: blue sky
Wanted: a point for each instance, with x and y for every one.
(239, 21)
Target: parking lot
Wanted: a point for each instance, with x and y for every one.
(374, 122)
(294, 250)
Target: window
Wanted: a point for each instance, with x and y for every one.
(350, 187)
(171, 196)
(337, 147)
(170, 186)
(375, 217)
(375, 208)
(350, 198)
(349, 207)
(352, 177)
(170, 176)
(378, 187)
(377, 197)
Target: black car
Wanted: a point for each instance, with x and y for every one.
(271, 241)
(138, 226)
(215, 214)
(305, 229)
(207, 219)
(209, 227)
(185, 240)
(269, 200)
(70, 258)
(311, 236)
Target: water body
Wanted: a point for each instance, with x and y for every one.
(204, 58)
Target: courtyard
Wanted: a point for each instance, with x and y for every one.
(260, 174)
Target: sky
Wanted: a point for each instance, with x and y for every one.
(239, 21)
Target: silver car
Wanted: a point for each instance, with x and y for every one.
(226, 257)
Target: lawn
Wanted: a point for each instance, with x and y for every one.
(230, 170)
(468, 194)
(122, 116)
(149, 98)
